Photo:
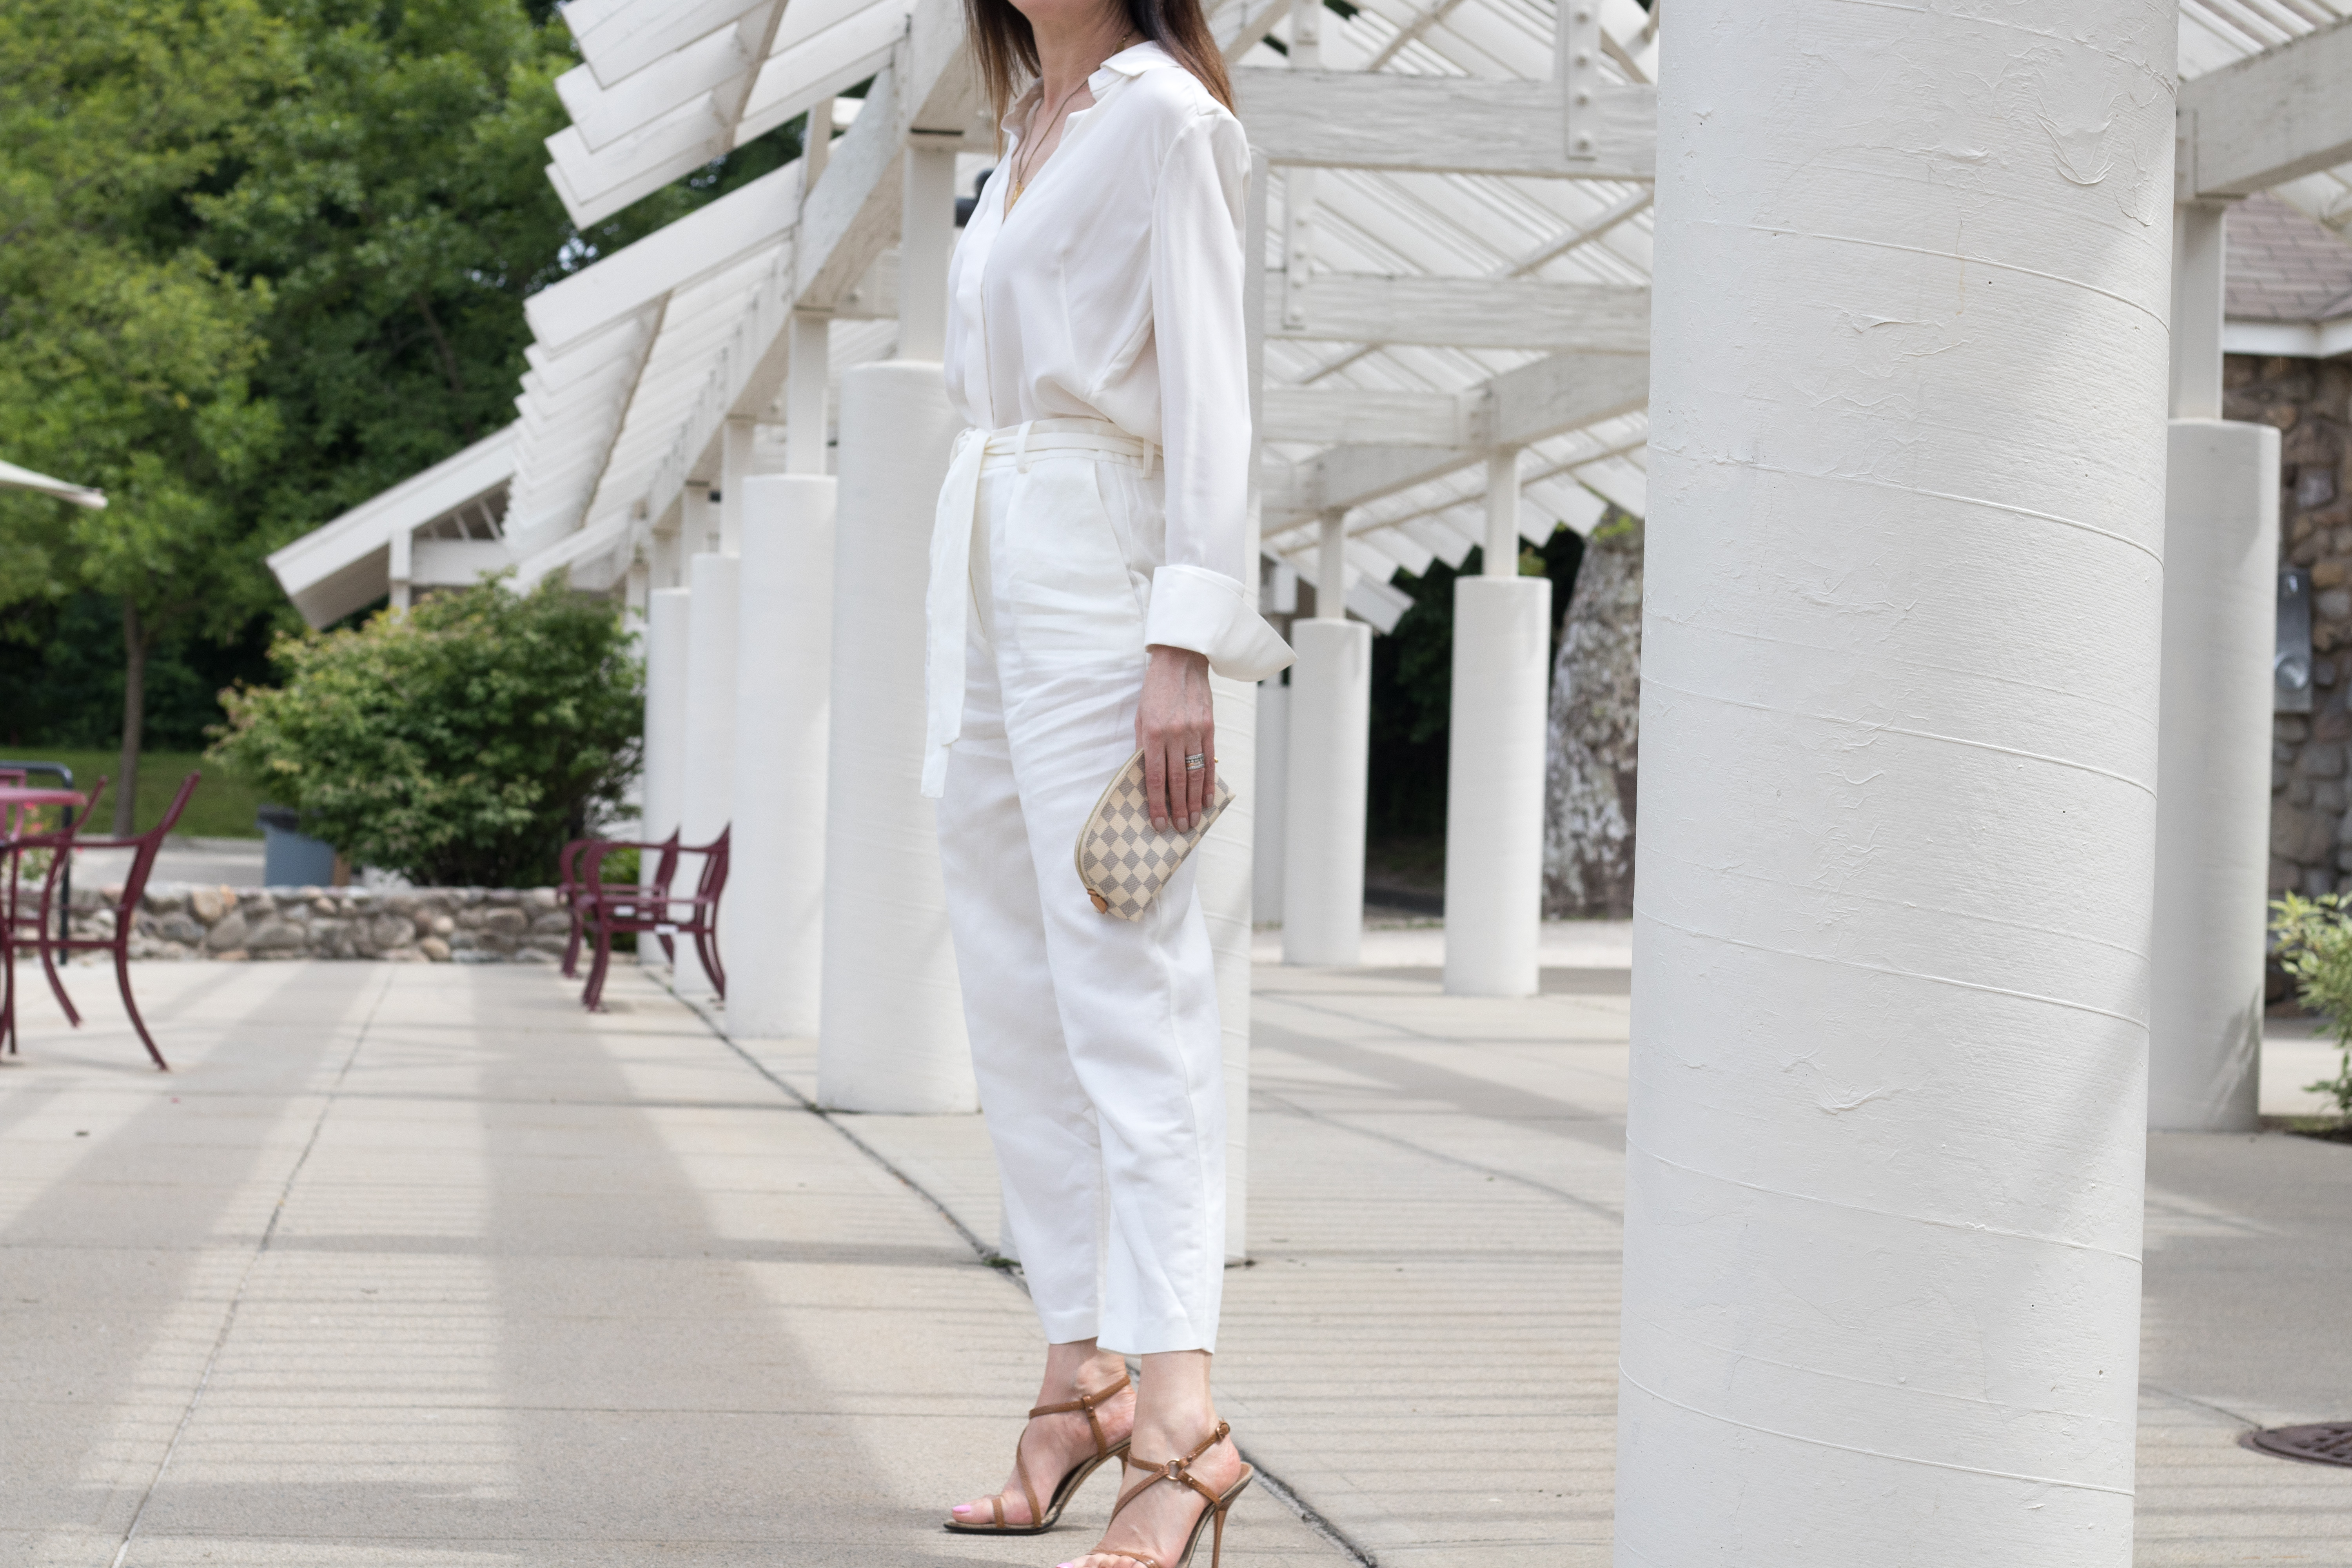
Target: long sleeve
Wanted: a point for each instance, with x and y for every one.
(1198, 600)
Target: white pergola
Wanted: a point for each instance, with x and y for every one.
(1451, 238)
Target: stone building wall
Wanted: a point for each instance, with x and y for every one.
(2310, 401)
(425, 925)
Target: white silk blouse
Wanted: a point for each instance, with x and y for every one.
(1113, 291)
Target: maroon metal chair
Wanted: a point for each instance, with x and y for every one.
(20, 927)
(607, 913)
(144, 847)
(572, 886)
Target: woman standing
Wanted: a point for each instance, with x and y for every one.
(1086, 574)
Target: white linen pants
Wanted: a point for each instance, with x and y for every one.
(1094, 1039)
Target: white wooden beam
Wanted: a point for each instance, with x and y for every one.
(1466, 312)
(1548, 397)
(1354, 416)
(619, 41)
(2272, 118)
(759, 215)
(1433, 124)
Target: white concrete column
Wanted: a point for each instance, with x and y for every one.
(1330, 739)
(1495, 760)
(707, 800)
(667, 615)
(926, 238)
(2213, 777)
(1274, 800)
(1222, 884)
(891, 1035)
(774, 914)
(1897, 858)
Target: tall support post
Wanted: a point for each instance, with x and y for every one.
(2213, 777)
(816, 143)
(891, 1034)
(667, 548)
(706, 799)
(1495, 759)
(926, 238)
(699, 530)
(1897, 847)
(783, 703)
(736, 440)
(667, 614)
(1330, 739)
(782, 725)
(402, 552)
(806, 415)
(2197, 286)
(1274, 799)
(2213, 755)
(1227, 855)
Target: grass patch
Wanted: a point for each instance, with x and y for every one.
(222, 807)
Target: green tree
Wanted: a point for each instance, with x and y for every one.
(260, 260)
(126, 351)
(460, 743)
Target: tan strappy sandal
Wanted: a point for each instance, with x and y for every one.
(1177, 1471)
(1045, 1519)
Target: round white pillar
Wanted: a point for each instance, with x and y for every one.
(774, 913)
(1897, 794)
(1495, 786)
(1224, 883)
(667, 614)
(1273, 801)
(2213, 777)
(707, 795)
(891, 1034)
(1323, 821)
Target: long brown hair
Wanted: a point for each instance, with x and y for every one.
(1006, 46)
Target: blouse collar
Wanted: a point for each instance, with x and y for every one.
(1128, 63)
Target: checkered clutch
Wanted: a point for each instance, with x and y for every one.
(1122, 860)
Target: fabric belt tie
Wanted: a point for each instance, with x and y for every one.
(947, 601)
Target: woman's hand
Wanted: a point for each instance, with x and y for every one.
(1175, 720)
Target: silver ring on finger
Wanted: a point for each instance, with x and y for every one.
(1195, 760)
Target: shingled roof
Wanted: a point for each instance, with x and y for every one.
(2283, 267)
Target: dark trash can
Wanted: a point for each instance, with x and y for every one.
(290, 858)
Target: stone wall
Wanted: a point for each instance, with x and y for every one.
(2310, 401)
(425, 925)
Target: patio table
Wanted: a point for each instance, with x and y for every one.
(17, 803)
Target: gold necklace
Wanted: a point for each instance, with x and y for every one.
(1019, 181)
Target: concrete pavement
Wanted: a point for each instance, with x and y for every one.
(412, 1265)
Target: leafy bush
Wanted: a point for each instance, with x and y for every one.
(2314, 947)
(458, 743)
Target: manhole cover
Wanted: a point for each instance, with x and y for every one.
(2329, 1444)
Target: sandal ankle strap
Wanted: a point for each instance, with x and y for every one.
(1086, 1402)
(1177, 1470)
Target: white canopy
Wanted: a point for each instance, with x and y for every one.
(1441, 278)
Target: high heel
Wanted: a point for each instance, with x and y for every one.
(1045, 1519)
(1177, 1470)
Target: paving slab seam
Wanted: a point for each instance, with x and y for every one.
(1491, 1173)
(1276, 1486)
(245, 1276)
(2249, 1423)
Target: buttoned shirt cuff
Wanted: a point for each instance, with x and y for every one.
(1208, 613)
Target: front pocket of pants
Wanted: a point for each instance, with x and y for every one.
(1062, 585)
